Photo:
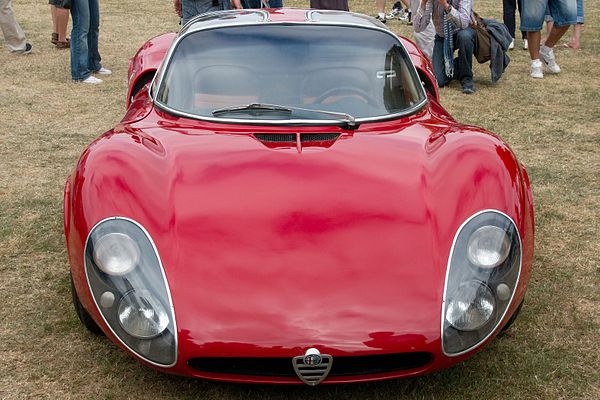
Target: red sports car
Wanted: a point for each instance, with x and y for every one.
(286, 201)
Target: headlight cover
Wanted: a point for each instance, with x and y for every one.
(481, 279)
(129, 287)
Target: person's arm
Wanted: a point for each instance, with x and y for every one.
(460, 15)
(422, 17)
(236, 4)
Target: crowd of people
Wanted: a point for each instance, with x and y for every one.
(441, 28)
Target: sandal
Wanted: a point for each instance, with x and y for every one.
(54, 38)
(63, 45)
(568, 45)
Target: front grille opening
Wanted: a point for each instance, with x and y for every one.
(282, 367)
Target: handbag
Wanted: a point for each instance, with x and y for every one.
(482, 39)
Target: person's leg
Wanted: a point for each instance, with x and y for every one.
(465, 43)
(564, 14)
(62, 20)
(93, 53)
(54, 22)
(439, 69)
(13, 34)
(380, 5)
(508, 15)
(532, 21)
(80, 15)
(575, 41)
(520, 8)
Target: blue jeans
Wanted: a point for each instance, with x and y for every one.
(564, 13)
(464, 41)
(85, 57)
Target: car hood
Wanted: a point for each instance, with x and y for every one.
(275, 250)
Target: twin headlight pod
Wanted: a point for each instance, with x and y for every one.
(481, 279)
(129, 286)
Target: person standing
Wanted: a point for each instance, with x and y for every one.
(564, 13)
(85, 57)
(509, 7)
(13, 34)
(451, 20)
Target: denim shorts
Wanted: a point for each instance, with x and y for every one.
(564, 13)
(580, 17)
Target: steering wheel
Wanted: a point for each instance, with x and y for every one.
(366, 97)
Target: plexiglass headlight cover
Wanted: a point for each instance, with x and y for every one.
(135, 301)
(481, 279)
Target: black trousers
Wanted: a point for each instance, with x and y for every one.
(509, 7)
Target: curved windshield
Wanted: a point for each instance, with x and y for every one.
(282, 72)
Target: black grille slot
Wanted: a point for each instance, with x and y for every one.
(282, 367)
(318, 137)
(275, 138)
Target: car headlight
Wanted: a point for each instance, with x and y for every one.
(488, 246)
(482, 276)
(116, 253)
(130, 289)
(141, 315)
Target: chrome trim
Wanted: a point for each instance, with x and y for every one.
(322, 368)
(158, 78)
(492, 331)
(162, 270)
(205, 17)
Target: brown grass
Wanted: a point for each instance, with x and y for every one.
(553, 125)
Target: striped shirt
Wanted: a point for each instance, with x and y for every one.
(460, 16)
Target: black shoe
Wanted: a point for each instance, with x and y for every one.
(468, 88)
(378, 18)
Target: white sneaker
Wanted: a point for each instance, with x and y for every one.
(536, 69)
(103, 71)
(511, 45)
(92, 80)
(548, 56)
(525, 44)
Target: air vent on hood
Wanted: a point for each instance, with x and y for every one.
(276, 138)
(286, 140)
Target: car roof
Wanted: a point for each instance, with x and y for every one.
(278, 15)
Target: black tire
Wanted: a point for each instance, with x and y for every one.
(83, 315)
(513, 317)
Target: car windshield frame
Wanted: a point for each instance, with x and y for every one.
(167, 61)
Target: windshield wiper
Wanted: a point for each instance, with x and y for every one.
(252, 107)
(348, 120)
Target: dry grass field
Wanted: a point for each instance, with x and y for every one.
(553, 125)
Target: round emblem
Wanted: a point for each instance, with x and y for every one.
(312, 357)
